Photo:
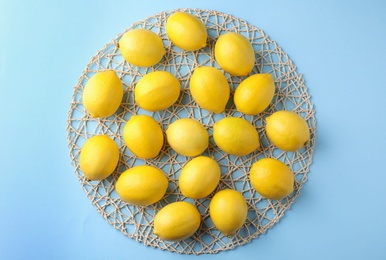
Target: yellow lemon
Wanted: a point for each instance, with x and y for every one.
(142, 185)
(102, 94)
(187, 137)
(235, 54)
(210, 89)
(98, 157)
(287, 130)
(157, 90)
(199, 177)
(141, 47)
(228, 211)
(143, 136)
(236, 136)
(177, 221)
(254, 94)
(272, 179)
(186, 31)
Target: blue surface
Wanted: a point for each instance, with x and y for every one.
(338, 47)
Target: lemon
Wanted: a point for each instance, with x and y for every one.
(187, 137)
(157, 90)
(143, 136)
(186, 31)
(98, 157)
(177, 221)
(287, 130)
(142, 185)
(228, 211)
(254, 94)
(210, 89)
(102, 94)
(236, 136)
(199, 177)
(235, 54)
(141, 47)
(271, 178)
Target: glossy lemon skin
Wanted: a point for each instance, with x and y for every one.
(141, 47)
(234, 54)
(287, 130)
(254, 94)
(142, 185)
(199, 177)
(102, 94)
(210, 89)
(143, 136)
(186, 31)
(187, 136)
(272, 179)
(98, 157)
(228, 210)
(236, 136)
(177, 221)
(157, 90)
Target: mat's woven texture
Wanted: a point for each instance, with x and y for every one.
(137, 222)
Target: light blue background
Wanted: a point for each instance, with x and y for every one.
(339, 47)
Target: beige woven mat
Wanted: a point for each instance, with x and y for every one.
(137, 222)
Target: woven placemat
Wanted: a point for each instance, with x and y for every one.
(137, 222)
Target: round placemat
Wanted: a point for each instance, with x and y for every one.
(137, 222)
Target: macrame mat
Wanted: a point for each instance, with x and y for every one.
(137, 222)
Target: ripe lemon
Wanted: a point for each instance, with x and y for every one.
(98, 157)
(142, 185)
(287, 130)
(141, 47)
(272, 179)
(236, 136)
(143, 136)
(199, 177)
(228, 211)
(186, 31)
(187, 137)
(235, 54)
(177, 221)
(103, 94)
(210, 89)
(254, 94)
(157, 90)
